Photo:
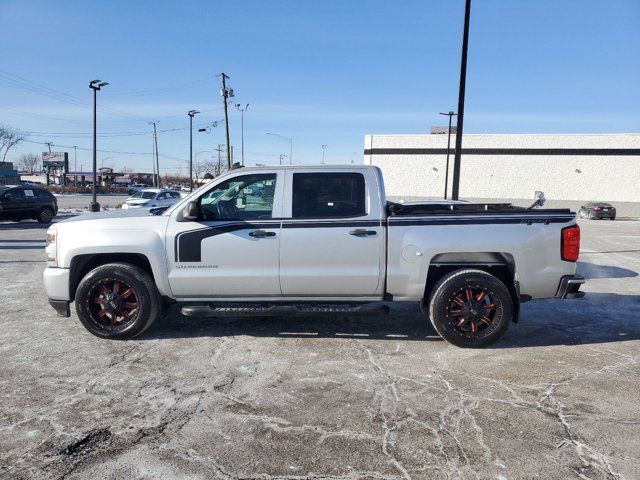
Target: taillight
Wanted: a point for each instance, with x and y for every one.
(570, 243)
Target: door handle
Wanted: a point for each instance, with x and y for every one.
(262, 234)
(360, 232)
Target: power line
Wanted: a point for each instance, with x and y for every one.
(144, 93)
(106, 151)
(17, 81)
(115, 134)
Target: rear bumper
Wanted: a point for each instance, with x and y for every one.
(569, 287)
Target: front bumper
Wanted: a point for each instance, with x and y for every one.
(569, 287)
(56, 283)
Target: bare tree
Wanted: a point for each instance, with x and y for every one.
(9, 138)
(28, 162)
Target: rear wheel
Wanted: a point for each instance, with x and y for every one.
(45, 215)
(117, 301)
(470, 308)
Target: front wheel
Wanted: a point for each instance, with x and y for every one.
(470, 308)
(117, 301)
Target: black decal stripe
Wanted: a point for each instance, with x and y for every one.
(188, 245)
(507, 151)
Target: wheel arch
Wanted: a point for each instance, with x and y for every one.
(499, 264)
(83, 264)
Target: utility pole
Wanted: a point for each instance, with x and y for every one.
(219, 150)
(446, 173)
(191, 113)
(157, 160)
(242, 110)
(225, 94)
(153, 161)
(75, 165)
(455, 187)
(323, 147)
(95, 85)
(48, 144)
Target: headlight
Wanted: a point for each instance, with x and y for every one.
(51, 237)
(52, 249)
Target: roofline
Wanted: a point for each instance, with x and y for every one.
(503, 134)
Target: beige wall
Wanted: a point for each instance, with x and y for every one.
(572, 178)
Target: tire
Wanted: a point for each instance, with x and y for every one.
(612, 218)
(117, 301)
(491, 312)
(45, 215)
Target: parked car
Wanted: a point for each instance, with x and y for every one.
(327, 242)
(25, 202)
(152, 197)
(133, 188)
(597, 210)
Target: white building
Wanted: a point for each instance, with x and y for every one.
(569, 169)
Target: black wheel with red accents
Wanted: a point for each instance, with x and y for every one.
(117, 301)
(470, 308)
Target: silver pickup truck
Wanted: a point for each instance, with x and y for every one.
(309, 240)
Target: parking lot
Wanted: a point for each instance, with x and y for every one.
(330, 397)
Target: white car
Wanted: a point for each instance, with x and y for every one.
(152, 197)
(308, 240)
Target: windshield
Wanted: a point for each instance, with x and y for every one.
(147, 195)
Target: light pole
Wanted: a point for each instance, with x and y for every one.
(455, 183)
(286, 139)
(446, 173)
(323, 147)
(95, 85)
(191, 113)
(75, 165)
(242, 110)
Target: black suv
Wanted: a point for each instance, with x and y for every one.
(22, 202)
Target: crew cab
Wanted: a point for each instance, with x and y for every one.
(306, 240)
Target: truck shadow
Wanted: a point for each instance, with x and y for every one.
(596, 318)
(593, 270)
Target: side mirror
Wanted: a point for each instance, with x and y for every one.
(538, 199)
(191, 211)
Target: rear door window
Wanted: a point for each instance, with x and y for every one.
(328, 195)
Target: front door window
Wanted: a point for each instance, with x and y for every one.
(249, 197)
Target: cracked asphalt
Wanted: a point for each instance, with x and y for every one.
(330, 397)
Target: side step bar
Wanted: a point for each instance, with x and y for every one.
(212, 310)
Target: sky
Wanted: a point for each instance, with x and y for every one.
(320, 72)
